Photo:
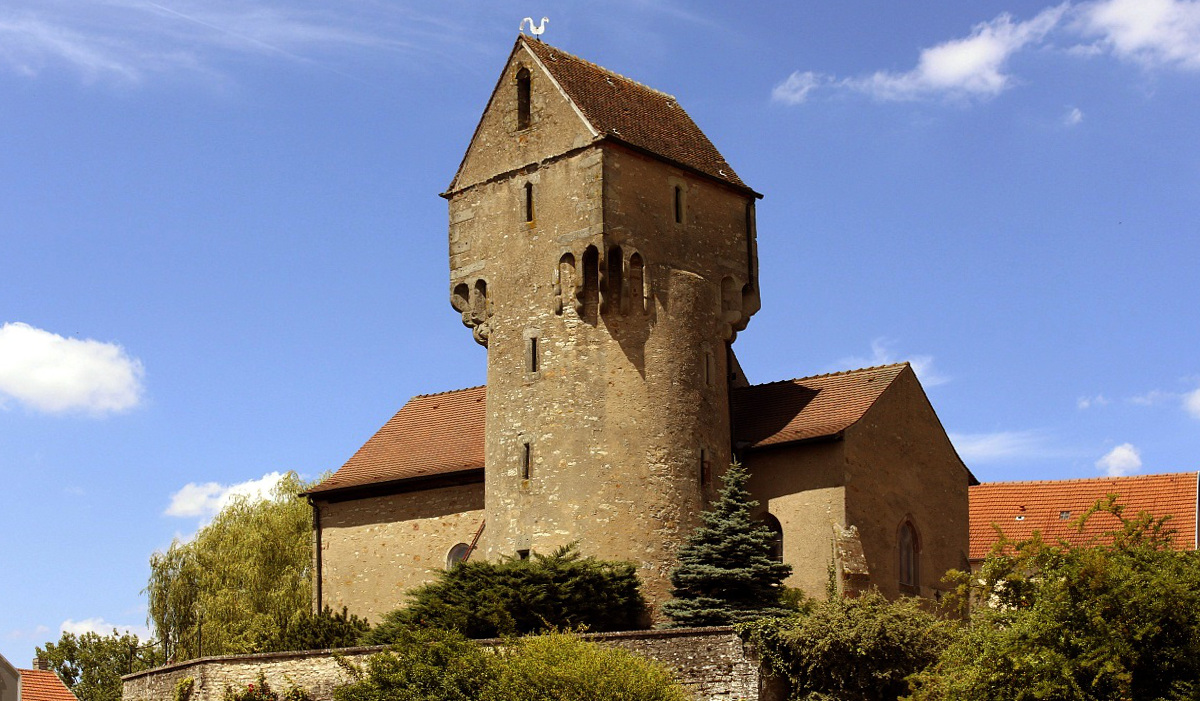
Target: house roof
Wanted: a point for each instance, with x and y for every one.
(441, 434)
(807, 408)
(1020, 508)
(43, 685)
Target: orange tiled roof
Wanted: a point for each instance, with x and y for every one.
(811, 407)
(439, 434)
(625, 110)
(43, 685)
(1020, 508)
(433, 434)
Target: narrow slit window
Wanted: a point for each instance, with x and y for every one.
(529, 202)
(523, 554)
(523, 98)
(678, 204)
(704, 468)
(526, 459)
(531, 351)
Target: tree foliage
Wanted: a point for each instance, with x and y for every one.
(859, 649)
(306, 630)
(435, 665)
(243, 577)
(482, 599)
(91, 665)
(1117, 619)
(726, 573)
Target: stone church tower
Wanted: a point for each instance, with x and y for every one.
(604, 253)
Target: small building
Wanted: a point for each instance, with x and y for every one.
(1051, 508)
(38, 684)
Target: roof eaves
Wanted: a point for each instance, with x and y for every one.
(739, 187)
(467, 475)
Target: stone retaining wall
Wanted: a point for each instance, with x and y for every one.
(711, 662)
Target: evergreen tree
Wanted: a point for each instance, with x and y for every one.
(726, 573)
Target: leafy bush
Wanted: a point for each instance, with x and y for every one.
(433, 665)
(262, 691)
(306, 630)
(561, 667)
(858, 649)
(1057, 621)
(427, 664)
(513, 596)
(92, 664)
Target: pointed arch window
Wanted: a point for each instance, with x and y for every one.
(523, 98)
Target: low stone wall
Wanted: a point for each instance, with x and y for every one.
(711, 662)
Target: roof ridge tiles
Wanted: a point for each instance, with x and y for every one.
(838, 373)
(602, 69)
(448, 391)
(1075, 480)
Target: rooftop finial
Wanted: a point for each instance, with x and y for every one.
(535, 31)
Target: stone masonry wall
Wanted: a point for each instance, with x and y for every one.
(711, 662)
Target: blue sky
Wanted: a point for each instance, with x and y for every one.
(224, 256)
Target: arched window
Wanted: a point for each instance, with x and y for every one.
(776, 529)
(457, 554)
(909, 547)
(523, 98)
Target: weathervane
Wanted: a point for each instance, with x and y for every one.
(535, 31)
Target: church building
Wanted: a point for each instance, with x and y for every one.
(605, 253)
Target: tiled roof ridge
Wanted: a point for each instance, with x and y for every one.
(448, 391)
(602, 69)
(838, 373)
(1075, 480)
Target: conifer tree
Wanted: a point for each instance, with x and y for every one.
(726, 573)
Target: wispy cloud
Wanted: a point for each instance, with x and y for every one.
(1154, 33)
(1089, 402)
(883, 354)
(100, 626)
(1191, 403)
(128, 40)
(1154, 396)
(1121, 460)
(1073, 117)
(1001, 446)
(52, 374)
(205, 500)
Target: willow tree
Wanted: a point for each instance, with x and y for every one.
(241, 579)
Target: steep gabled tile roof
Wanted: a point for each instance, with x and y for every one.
(440, 434)
(625, 110)
(433, 434)
(807, 408)
(43, 685)
(1020, 508)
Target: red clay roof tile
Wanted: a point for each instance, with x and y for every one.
(439, 434)
(1020, 508)
(43, 685)
(625, 110)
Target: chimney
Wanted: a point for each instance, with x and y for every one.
(40, 662)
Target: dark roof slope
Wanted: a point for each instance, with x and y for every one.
(627, 111)
(440, 434)
(43, 685)
(433, 434)
(1050, 507)
(808, 408)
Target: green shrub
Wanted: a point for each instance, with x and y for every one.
(562, 667)
(425, 664)
(262, 691)
(306, 630)
(858, 649)
(482, 599)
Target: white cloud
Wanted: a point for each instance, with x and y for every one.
(1073, 117)
(999, 446)
(49, 373)
(882, 354)
(1089, 402)
(969, 67)
(1154, 396)
(205, 500)
(100, 626)
(1121, 460)
(1191, 402)
(796, 88)
(1154, 33)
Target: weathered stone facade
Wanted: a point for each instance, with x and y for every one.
(606, 285)
(711, 662)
